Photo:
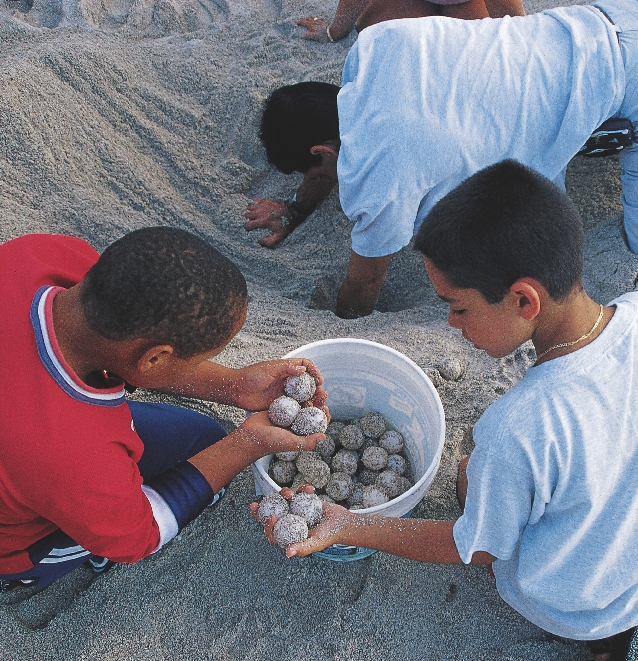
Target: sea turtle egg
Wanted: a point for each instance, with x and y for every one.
(345, 461)
(355, 495)
(310, 420)
(305, 458)
(373, 425)
(339, 486)
(390, 483)
(314, 469)
(326, 448)
(397, 463)
(273, 503)
(351, 437)
(307, 506)
(283, 472)
(334, 429)
(375, 458)
(367, 477)
(373, 496)
(451, 369)
(298, 481)
(290, 529)
(283, 410)
(392, 441)
(301, 387)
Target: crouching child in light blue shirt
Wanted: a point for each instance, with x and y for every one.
(549, 491)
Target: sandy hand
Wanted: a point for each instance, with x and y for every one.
(257, 385)
(267, 214)
(335, 518)
(268, 439)
(316, 29)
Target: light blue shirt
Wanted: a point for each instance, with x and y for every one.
(426, 103)
(553, 487)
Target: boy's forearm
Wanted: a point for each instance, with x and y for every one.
(211, 382)
(221, 462)
(345, 17)
(313, 191)
(415, 539)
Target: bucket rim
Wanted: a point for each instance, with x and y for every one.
(434, 466)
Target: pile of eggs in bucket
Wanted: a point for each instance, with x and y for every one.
(360, 464)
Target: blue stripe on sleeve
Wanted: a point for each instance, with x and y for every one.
(185, 491)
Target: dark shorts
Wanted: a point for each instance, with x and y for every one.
(171, 435)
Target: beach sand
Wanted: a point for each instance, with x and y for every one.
(119, 114)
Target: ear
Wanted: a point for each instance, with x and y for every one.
(527, 295)
(154, 357)
(329, 153)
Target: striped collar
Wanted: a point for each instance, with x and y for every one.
(54, 361)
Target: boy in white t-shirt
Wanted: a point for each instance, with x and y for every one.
(549, 493)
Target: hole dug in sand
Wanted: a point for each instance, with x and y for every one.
(406, 286)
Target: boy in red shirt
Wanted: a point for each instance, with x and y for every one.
(83, 474)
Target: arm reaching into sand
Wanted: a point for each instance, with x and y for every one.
(362, 285)
(364, 13)
(341, 25)
(251, 388)
(267, 214)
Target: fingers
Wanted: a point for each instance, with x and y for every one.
(311, 35)
(312, 440)
(268, 528)
(302, 549)
(272, 240)
(307, 22)
(319, 400)
(313, 370)
(270, 522)
(256, 224)
(287, 493)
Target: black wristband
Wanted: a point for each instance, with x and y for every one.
(295, 213)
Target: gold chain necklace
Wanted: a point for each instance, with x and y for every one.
(580, 339)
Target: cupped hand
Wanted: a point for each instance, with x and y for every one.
(316, 29)
(267, 439)
(334, 519)
(257, 385)
(266, 214)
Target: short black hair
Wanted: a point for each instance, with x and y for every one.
(167, 285)
(504, 223)
(296, 118)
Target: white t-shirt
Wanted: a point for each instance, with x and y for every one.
(426, 103)
(553, 487)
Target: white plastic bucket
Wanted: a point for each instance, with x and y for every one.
(362, 376)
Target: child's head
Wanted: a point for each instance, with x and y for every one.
(297, 118)
(496, 247)
(504, 223)
(168, 286)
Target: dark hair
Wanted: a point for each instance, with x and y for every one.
(296, 118)
(504, 223)
(167, 285)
